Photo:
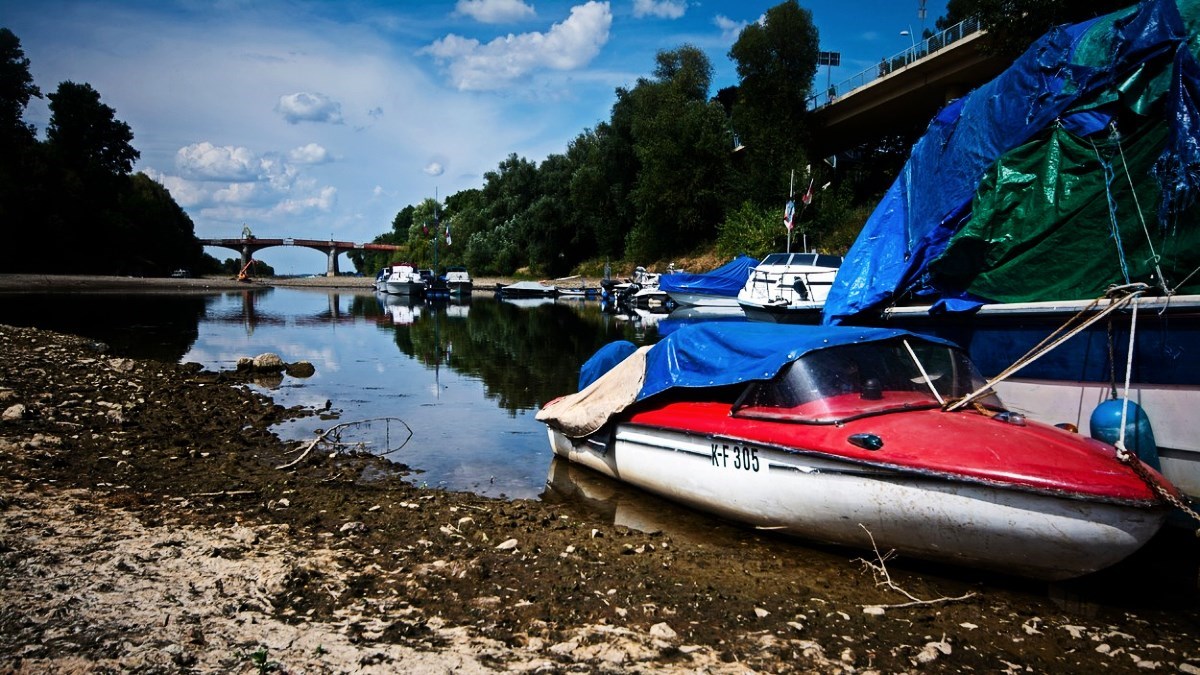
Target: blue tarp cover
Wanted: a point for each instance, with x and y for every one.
(603, 360)
(1063, 77)
(718, 354)
(726, 280)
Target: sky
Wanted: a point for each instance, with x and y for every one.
(323, 119)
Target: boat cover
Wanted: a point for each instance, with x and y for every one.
(1076, 168)
(726, 280)
(712, 354)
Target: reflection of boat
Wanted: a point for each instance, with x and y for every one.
(718, 287)
(526, 289)
(403, 309)
(1062, 187)
(459, 282)
(841, 435)
(403, 279)
(684, 316)
(789, 287)
(528, 302)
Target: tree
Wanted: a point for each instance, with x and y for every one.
(1016, 24)
(776, 62)
(85, 134)
(682, 143)
(16, 88)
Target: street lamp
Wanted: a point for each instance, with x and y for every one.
(912, 52)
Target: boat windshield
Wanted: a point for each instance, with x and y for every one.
(841, 383)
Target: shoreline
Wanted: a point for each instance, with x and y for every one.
(18, 283)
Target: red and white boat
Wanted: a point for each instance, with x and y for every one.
(844, 435)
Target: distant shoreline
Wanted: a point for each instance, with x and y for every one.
(18, 283)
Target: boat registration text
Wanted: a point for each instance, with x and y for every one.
(742, 457)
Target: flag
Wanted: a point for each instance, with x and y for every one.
(447, 234)
(807, 198)
(789, 212)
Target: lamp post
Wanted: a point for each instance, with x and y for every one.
(912, 52)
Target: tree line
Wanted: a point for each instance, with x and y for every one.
(672, 170)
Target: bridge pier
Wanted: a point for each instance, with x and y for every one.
(332, 269)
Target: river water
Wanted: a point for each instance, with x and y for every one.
(466, 379)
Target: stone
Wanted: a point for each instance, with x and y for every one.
(268, 362)
(300, 369)
(507, 544)
(663, 632)
(13, 413)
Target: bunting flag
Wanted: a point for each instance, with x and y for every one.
(789, 212)
(807, 198)
(447, 234)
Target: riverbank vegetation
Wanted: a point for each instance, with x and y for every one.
(675, 170)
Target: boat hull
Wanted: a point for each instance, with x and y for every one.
(825, 499)
(407, 288)
(703, 299)
(807, 313)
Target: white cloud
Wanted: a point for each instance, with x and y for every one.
(309, 107)
(730, 29)
(474, 66)
(434, 169)
(323, 200)
(495, 11)
(662, 9)
(310, 154)
(205, 161)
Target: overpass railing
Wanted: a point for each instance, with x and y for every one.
(899, 61)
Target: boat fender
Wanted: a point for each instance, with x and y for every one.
(1105, 425)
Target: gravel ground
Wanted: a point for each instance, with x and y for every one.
(151, 522)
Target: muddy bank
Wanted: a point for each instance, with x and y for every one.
(151, 523)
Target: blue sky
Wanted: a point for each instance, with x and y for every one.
(324, 119)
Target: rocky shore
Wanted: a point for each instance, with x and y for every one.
(151, 522)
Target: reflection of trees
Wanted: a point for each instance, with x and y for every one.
(523, 356)
(157, 326)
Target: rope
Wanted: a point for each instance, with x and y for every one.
(1154, 257)
(1128, 372)
(1055, 339)
(1112, 208)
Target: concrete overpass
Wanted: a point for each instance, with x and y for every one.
(903, 92)
(248, 246)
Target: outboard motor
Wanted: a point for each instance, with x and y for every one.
(1105, 425)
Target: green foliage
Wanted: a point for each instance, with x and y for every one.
(752, 229)
(1015, 24)
(16, 88)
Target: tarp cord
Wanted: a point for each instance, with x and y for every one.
(1119, 296)
(1154, 256)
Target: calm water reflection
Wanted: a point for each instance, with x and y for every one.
(466, 378)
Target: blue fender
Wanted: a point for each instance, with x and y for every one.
(1105, 425)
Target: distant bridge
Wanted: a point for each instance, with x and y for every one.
(248, 246)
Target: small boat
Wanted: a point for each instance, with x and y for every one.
(858, 437)
(789, 287)
(459, 281)
(526, 289)
(716, 288)
(638, 292)
(403, 279)
(436, 287)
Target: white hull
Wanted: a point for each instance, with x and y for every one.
(405, 288)
(703, 299)
(1012, 531)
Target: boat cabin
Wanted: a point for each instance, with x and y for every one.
(840, 383)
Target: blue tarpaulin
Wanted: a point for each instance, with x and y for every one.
(725, 281)
(718, 354)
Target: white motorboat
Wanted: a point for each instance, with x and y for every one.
(789, 287)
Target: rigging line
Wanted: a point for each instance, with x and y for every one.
(1128, 373)
(1162, 282)
(1112, 209)
(925, 375)
(1031, 356)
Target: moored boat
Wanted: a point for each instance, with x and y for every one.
(526, 289)
(789, 287)
(403, 279)
(1055, 192)
(851, 436)
(718, 288)
(459, 281)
